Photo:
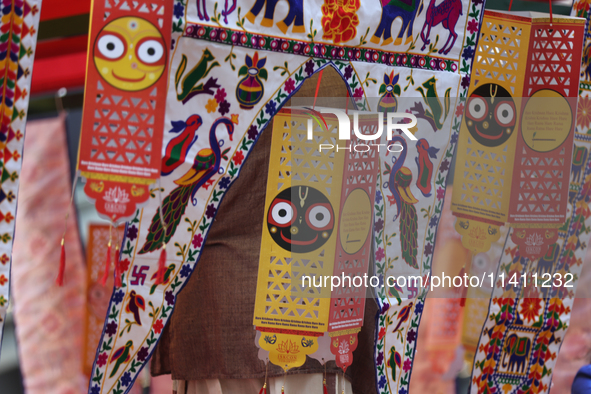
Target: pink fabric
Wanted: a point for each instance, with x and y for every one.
(48, 318)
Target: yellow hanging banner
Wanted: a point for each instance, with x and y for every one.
(299, 237)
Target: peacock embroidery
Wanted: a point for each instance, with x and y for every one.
(425, 166)
(205, 165)
(399, 183)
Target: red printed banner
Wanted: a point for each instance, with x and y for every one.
(124, 103)
(541, 171)
(353, 247)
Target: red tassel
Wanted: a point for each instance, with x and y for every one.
(264, 389)
(324, 389)
(60, 274)
(161, 266)
(464, 289)
(107, 266)
(117, 269)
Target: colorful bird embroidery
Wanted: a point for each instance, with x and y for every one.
(394, 360)
(167, 273)
(425, 165)
(136, 302)
(189, 84)
(403, 315)
(205, 165)
(399, 185)
(179, 146)
(121, 356)
(395, 291)
(435, 112)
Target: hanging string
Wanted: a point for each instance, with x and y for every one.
(550, 2)
(318, 87)
(283, 387)
(117, 268)
(162, 259)
(343, 391)
(108, 259)
(264, 389)
(510, 5)
(62, 267)
(324, 389)
(464, 270)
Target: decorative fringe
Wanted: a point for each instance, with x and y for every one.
(62, 269)
(107, 266)
(264, 389)
(117, 268)
(161, 266)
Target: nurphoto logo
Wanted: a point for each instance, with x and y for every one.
(344, 130)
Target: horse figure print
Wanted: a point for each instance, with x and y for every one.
(447, 13)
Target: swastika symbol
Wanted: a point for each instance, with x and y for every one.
(139, 275)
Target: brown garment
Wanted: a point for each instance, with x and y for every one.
(210, 334)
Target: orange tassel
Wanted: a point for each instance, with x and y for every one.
(161, 266)
(107, 266)
(264, 389)
(60, 274)
(117, 269)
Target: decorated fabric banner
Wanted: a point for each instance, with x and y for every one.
(319, 216)
(97, 294)
(528, 317)
(409, 203)
(232, 70)
(49, 318)
(19, 21)
(125, 91)
(514, 153)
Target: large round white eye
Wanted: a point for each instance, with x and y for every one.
(150, 51)
(319, 216)
(505, 114)
(477, 108)
(111, 46)
(282, 213)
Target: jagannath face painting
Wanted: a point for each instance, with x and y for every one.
(129, 53)
(300, 219)
(491, 115)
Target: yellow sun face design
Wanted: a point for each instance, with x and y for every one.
(130, 54)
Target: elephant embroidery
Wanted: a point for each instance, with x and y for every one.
(545, 263)
(295, 15)
(446, 13)
(392, 9)
(579, 160)
(517, 348)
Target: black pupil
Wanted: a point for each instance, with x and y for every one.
(282, 213)
(151, 51)
(477, 108)
(110, 46)
(319, 216)
(505, 113)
